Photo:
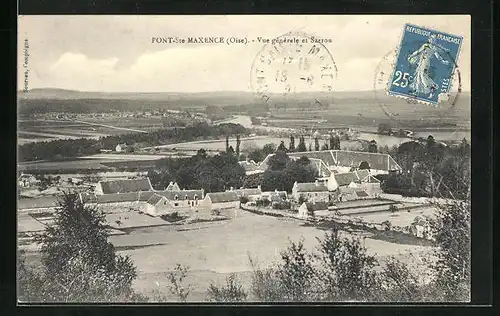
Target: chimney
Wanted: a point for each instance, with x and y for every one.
(231, 189)
(316, 182)
(276, 190)
(259, 187)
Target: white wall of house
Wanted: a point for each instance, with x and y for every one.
(303, 213)
(323, 196)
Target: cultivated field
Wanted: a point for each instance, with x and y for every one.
(212, 250)
(33, 130)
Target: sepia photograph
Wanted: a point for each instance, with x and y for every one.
(243, 159)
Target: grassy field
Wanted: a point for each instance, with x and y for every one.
(212, 250)
(30, 130)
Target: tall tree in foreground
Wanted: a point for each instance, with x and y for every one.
(79, 264)
(451, 230)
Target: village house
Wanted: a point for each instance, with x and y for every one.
(252, 194)
(311, 192)
(123, 186)
(183, 199)
(344, 160)
(275, 197)
(156, 205)
(349, 194)
(121, 148)
(169, 201)
(221, 200)
(27, 180)
(308, 209)
(173, 186)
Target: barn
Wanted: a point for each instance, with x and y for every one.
(157, 205)
(123, 186)
(221, 200)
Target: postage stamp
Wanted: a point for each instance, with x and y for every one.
(292, 64)
(425, 65)
(417, 109)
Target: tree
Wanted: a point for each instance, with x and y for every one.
(231, 292)
(296, 273)
(302, 145)
(347, 269)
(278, 161)
(238, 143)
(334, 142)
(268, 149)
(372, 147)
(384, 128)
(177, 286)
(451, 230)
(364, 165)
(393, 209)
(79, 264)
(316, 144)
(292, 143)
(282, 147)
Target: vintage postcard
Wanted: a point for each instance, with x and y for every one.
(239, 158)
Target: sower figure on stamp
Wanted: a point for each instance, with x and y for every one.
(422, 82)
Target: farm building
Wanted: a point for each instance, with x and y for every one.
(333, 159)
(157, 205)
(121, 148)
(123, 186)
(173, 186)
(275, 196)
(307, 209)
(221, 200)
(27, 180)
(312, 192)
(350, 194)
(183, 198)
(252, 194)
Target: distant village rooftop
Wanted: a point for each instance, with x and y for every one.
(123, 186)
(345, 158)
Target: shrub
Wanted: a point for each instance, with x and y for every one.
(177, 286)
(231, 292)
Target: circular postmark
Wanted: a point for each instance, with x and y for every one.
(292, 66)
(409, 110)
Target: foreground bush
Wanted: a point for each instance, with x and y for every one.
(78, 262)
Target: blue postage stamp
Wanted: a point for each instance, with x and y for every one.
(425, 64)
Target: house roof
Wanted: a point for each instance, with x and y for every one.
(173, 186)
(345, 158)
(88, 198)
(249, 191)
(124, 186)
(181, 194)
(311, 187)
(154, 199)
(318, 206)
(222, 197)
(362, 174)
(249, 165)
(361, 193)
(345, 178)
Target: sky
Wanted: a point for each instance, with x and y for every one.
(116, 53)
